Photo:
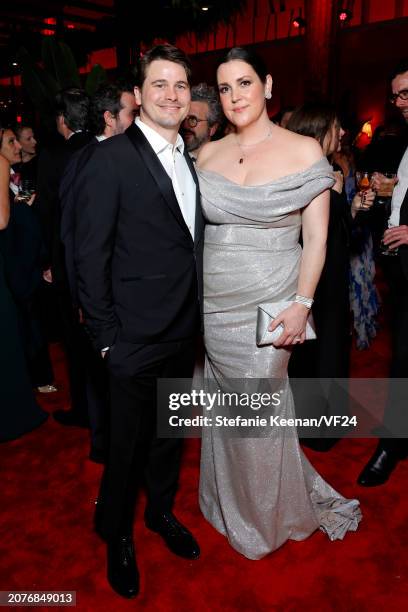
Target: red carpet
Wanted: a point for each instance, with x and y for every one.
(47, 492)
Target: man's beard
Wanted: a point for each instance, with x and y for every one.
(196, 142)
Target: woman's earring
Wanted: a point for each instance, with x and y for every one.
(268, 95)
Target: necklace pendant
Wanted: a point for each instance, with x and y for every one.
(241, 160)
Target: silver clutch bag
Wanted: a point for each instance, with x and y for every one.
(266, 314)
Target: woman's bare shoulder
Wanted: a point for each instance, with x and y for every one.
(213, 149)
(4, 164)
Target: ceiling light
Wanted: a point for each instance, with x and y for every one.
(345, 14)
(299, 22)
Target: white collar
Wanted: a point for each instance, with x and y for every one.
(156, 140)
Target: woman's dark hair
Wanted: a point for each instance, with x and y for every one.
(162, 52)
(313, 119)
(249, 57)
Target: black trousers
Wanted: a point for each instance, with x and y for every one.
(136, 454)
(396, 412)
(75, 344)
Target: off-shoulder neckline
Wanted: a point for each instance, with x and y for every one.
(280, 179)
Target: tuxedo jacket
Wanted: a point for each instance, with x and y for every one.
(67, 201)
(139, 270)
(51, 164)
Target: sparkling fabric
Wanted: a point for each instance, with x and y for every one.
(258, 492)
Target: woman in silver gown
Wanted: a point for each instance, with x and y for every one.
(259, 187)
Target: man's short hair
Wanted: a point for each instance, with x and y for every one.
(106, 98)
(73, 105)
(205, 93)
(400, 68)
(162, 52)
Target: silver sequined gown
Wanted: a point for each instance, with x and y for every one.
(258, 492)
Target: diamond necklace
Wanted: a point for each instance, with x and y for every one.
(241, 159)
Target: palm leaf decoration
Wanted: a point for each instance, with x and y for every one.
(96, 77)
(59, 61)
(164, 19)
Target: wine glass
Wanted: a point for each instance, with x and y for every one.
(363, 182)
(26, 189)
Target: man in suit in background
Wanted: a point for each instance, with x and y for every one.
(391, 450)
(113, 108)
(138, 252)
(203, 120)
(71, 112)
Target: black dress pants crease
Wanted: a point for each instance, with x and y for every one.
(136, 454)
(396, 412)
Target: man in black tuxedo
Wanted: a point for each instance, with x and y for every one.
(71, 111)
(138, 252)
(391, 449)
(113, 108)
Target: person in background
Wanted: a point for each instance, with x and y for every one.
(71, 117)
(391, 449)
(364, 299)
(20, 272)
(329, 355)
(283, 116)
(203, 119)
(112, 111)
(28, 166)
(41, 369)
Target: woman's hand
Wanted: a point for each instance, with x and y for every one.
(363, 200)
(30, 202)
(294, 321)
(47, 275)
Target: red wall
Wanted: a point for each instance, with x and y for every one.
(365, 56)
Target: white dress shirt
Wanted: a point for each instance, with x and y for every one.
(173, 161)
(399, 191)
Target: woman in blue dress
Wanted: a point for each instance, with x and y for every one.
(364, 299)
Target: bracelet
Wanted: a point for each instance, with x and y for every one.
(300, 299)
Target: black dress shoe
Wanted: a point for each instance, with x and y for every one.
(177, 538)
(70, 418)
(379, 468)
(123, 575)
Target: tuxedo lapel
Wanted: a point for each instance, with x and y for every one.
(160, 176)
(199, 220)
